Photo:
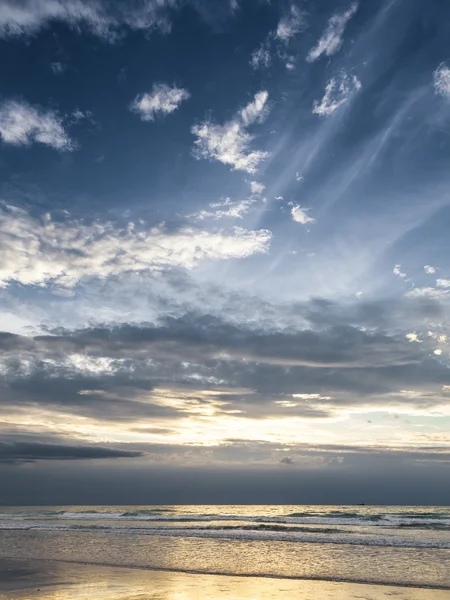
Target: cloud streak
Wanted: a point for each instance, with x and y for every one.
(331, 40)
(290, 24)
(338, 91)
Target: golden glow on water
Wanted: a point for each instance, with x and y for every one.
(59, 581)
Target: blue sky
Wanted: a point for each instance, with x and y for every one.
(223, 234)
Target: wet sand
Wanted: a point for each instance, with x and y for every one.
(51, 580)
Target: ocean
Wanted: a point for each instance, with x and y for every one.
(403, 546)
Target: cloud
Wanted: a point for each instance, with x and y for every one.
(300, 215)
(397, 271)
(260, 58)
(427, 292)
(58, 68)
(337, 92)
(101, 18)
(22, 124)
(32, 451)
(226, 208)
(200, 373)
(257, 110)
(429, 269)
(413, 337)
(443, 283)
(441, 80)
(290, 24)
(229, 143)
(257, 188)
(162, 100)
(331, 40)
(42, 251)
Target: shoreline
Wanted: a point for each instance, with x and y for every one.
(52, 580)
(293, 578)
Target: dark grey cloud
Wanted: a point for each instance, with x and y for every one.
(13, 452)
(204, 337)
(254, 366)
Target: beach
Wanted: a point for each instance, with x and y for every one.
(50, 580)
(235, 552)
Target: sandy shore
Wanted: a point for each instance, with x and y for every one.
(23, 580)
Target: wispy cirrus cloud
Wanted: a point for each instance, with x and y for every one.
(331, 39)
(226, 208)
(22, 124)
(441, 80)
(260, 58)
(230, 143)
(257, 110)
(290, 24)
(162, 100)
(338, 91)
(42, 251)
(101, 18)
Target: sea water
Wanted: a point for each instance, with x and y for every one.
(373, 544)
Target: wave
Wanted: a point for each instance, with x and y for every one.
(261, 532)
(400, 520)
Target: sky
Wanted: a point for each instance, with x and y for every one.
(224, 251)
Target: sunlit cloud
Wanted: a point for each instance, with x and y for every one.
(230, 143)
(162, 100)
(38, 251)
(22, 125)
(300, 215)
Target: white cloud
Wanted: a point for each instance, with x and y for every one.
(337, 92)
(22, 124)
(429, 269)
(441, 80)
(397, 271)
(257, 188)
(162, 100)
(443, 283)
(226, 208)
(255, 111)
(331, 40)
(44, 251)
(290, 24)
(427, 292)
(438, 352)
(260, 58)
(300, 215)
(229, 143)
(413, 337)
(101, 18)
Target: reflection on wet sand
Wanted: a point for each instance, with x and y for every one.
(24, 580)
